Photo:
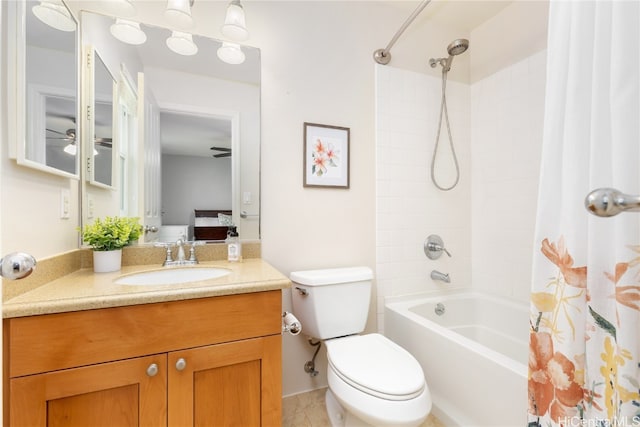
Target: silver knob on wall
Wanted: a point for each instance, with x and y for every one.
(17, 265)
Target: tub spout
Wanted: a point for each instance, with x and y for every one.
(436, 275)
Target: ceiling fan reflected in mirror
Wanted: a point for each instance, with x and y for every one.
(225, 152)
(70, 136)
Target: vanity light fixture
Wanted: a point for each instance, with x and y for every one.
(231, 53)
(128, 32)
(234, 23)
(182, 43)
(179, 13)
(121, 7)
(54, 14)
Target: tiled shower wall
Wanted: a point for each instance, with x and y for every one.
(408, 206)
(487, 221)
(507, 115)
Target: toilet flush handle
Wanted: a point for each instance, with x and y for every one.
(302, 291)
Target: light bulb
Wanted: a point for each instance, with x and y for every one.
(128, 32)
(70, 148)
(179, 13)
(234, 26)
(54, 14)
(231, 53)
(182, 43)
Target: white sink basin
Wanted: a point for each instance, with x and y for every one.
(172, 276)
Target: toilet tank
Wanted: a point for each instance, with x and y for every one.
(332, 302)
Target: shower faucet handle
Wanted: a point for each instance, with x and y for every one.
(434, 246)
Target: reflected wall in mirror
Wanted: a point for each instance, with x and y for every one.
(197, 145)
(99, 140)
(196, 155)
(45, 107)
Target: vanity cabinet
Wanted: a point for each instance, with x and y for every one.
(203, 362)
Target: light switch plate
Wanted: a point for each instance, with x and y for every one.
(65, 203)
(89, 206)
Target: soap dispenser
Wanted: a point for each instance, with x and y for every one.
(234, 247)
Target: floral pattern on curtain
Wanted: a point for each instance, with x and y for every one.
(558, 387)
(584, 338)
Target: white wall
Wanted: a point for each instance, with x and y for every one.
(507, 123)
(507, 112)
(190, 182)
(512, 35)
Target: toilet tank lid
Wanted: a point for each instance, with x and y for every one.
(331, 276)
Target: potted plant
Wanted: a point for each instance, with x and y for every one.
(107, 238)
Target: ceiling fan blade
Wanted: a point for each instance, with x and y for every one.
(55, 131)
(217, 156)
(221, 149)
(62, 116)
(105, 142)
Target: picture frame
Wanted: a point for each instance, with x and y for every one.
(326, 156)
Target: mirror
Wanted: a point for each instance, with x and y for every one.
(99, 139)
(44, 107)
(197, 141)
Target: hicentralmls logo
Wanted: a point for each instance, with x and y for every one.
(600, 422)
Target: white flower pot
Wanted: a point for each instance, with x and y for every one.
(107, 261)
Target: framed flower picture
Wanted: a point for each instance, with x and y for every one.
(326, 156)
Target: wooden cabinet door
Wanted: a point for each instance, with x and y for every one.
(231, 384)
(118, 393)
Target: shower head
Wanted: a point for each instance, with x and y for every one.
(456, 47)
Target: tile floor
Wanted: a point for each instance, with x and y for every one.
(307, 410)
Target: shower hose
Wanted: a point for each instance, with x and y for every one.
(443, 112)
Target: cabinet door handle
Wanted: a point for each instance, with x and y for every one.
(152, 370)
(181, 364)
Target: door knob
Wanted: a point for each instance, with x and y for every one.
(17, 265)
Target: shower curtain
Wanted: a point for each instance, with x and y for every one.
(584, 345)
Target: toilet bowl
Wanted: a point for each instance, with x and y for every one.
(376, 380)
(372, 380)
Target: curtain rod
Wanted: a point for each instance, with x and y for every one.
(383, 56)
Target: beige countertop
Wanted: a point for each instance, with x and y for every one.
(85, 290)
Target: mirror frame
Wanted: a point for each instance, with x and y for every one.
(17, 97)
(91, 56)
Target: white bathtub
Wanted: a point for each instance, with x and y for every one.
(474, 355)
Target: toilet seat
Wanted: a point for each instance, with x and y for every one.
(377, 366)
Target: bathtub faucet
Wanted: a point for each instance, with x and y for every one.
(436, 275)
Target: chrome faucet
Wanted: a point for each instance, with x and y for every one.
(180, 256)
(180, 245)
(436, 275)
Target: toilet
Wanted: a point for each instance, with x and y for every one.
(372, 380)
